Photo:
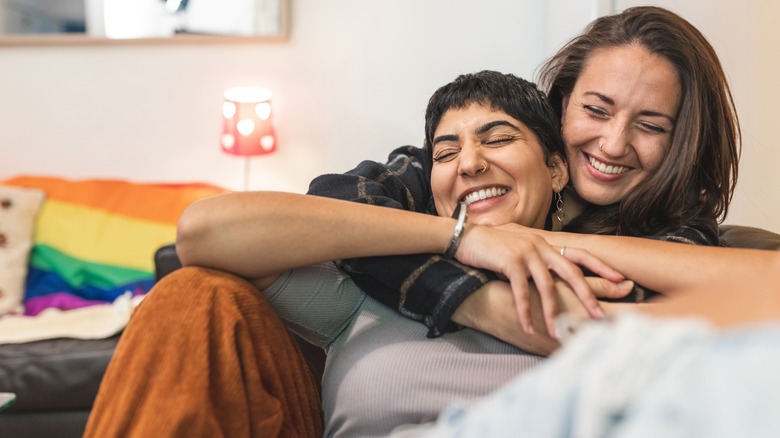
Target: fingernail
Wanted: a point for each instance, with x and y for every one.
(626, 285)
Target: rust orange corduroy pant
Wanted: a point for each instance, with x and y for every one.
(205, 355)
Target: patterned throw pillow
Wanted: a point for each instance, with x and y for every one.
(18, 208)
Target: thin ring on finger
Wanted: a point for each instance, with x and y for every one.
(563, 251)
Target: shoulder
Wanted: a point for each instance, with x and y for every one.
(402, 160)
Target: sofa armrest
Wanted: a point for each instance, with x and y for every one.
(165, 261)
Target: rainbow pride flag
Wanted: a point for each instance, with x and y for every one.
(96, 239)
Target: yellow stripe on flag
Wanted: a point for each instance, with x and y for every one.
(102, 237)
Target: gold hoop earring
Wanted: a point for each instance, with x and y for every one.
(483, 169)
(601, 147)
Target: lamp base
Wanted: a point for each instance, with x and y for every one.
(247, 168)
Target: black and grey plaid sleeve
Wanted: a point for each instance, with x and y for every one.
(427, 288)
(694, 234)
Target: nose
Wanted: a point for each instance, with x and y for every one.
(471, 160)
(616, 139)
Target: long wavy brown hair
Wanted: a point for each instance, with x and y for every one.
(695, 182)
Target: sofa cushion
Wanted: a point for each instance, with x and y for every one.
(18, 208)
(57, 374)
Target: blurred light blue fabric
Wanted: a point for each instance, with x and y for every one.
(637, 376)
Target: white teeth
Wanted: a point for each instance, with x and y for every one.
(481, 194)
(603, 168)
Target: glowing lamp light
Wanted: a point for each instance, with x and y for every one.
(247, 124)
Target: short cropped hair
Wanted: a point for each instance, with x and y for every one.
(515, 96)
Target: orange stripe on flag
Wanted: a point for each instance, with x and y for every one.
(154, 202)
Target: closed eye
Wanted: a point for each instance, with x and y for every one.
(444, 156)
(596, 111)
(498, 141)
(654, 128)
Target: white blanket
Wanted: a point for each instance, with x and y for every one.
(93, 322)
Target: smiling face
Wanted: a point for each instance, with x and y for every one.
(496, 164)
(618, 121)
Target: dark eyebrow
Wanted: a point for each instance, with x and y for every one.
(609, 101)
(441, 138)
(481, 130)
(601, 97)
(490, 125)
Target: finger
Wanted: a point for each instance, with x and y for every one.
(603, 288)
(519, 284)
(572, 275)
(586, 296)
(545, 286)
(587, 260)
(550, 312)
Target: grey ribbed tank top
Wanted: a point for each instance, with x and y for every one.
(382, 373)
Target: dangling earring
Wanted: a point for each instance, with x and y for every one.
(559, 214)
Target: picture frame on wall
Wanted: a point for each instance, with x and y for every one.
(142, 21)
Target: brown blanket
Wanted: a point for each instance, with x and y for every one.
(205, 355)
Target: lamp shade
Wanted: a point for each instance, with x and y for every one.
(247, 127)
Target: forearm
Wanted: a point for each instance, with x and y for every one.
(255, 234)
(667, 267)
(748, 293)
(491, 310)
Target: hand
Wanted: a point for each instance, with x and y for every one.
(602, 288)
(518, 253)
(491, 309)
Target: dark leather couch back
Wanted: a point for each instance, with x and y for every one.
(737, 236)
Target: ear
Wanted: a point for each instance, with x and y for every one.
(559, 172)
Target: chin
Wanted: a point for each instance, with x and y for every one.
(595, 194)
(602, 200)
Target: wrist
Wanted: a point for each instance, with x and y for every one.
(478, 308)
(462, 214)
(471, 310)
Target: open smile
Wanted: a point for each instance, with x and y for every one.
(609, 169)
(485, 193)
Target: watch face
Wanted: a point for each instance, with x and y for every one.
(6, 399)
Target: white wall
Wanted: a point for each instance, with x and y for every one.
(350, 84)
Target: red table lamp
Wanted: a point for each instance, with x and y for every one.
(247, 129)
